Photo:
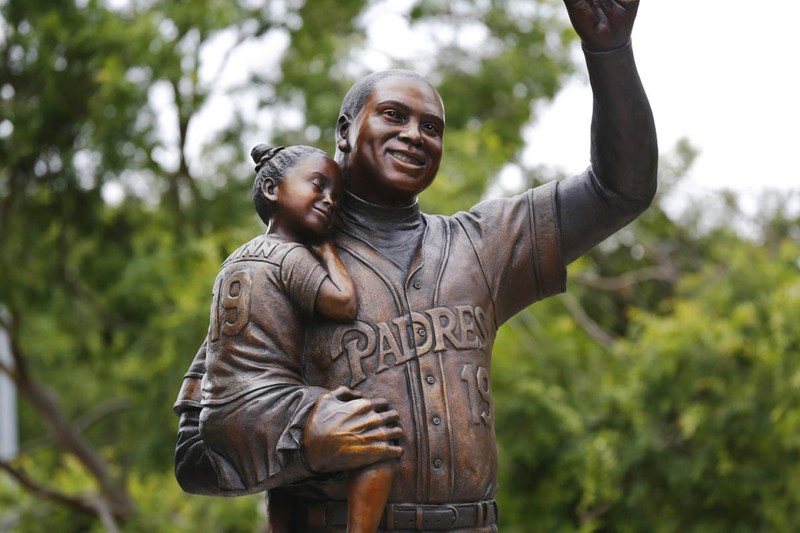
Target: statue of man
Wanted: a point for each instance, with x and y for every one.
(410, 378)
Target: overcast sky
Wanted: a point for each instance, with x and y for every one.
(723, 73)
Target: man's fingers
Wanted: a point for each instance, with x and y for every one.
(379, 451)
(393, 451)
(375, 420)
(602, 24)
(394, 433)
(380, 419)
(381, 434)
(379, 404)
(579, 6)
(345, 395)
(363, 405)
(390, 417)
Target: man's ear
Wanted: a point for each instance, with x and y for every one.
(269, 188)
(342, 129)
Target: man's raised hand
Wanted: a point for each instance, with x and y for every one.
(602, 24)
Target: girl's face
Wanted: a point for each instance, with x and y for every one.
(307, 198)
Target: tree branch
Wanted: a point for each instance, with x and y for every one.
(9, 371)
(79, 504)
(628, 279)
(105, 514)
(241, 38)
(101, 411)
(592, 328)
(64, 434)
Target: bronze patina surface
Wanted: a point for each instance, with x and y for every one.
(408, 381)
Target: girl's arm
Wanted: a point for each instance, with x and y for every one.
(336, 299)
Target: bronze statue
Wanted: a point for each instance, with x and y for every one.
(409, 380)
(263, 294)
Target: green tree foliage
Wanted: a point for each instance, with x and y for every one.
(101, 302)
(112, 229)
(659, 394)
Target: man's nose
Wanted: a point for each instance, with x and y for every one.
(411, 133)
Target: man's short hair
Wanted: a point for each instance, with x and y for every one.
(354, 100)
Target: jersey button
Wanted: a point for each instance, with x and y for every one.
(417, 285)
(436, 420)
(421, 332)
(437, 463)
(430, 379)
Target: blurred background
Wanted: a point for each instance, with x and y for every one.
(660, 394)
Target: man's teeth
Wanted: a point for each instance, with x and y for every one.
(407, 159)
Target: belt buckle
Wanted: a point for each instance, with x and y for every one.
(437, 519)
(454, 510)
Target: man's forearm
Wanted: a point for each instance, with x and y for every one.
(621, 182)
(624, 147)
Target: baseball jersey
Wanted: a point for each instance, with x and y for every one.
(423, 340)
(424, 335)
(264, 293)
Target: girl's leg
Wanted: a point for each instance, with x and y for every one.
(367, 492)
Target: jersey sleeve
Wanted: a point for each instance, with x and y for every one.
(517, 242)
(191, 393)
(196, 470)
(302, 275)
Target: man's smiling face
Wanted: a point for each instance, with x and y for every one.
(395, 142)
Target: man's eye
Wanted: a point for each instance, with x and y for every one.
(392, 114)
(317, 186)
(431, 128)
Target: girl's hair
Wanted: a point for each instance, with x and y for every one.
(273, 162)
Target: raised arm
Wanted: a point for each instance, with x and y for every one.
(621, 182)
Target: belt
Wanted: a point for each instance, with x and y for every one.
(399, 516)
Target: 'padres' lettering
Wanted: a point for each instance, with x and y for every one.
(388, 346)
(358, 342)
(467, 320)
(422, 331)
(396, 342)
(444, 322)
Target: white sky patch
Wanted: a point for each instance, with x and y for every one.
(721, 73)
(389, 34)
(162, 99)
(225, 70)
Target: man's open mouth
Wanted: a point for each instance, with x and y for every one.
(407, 158)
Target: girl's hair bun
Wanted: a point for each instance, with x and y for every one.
(261, 153)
